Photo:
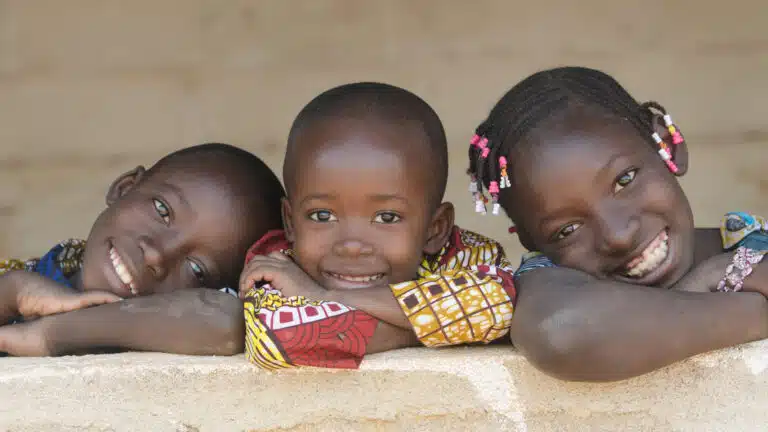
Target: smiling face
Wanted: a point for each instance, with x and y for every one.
(359, 210)
(593, 195)
(180, 226)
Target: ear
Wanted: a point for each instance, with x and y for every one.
(439, 230)
(285, 209)
(679, 151)
(125, 183)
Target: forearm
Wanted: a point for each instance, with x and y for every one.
(377, 302)
(389, 337)
(8, 296)
(195, 322)
(578, 328)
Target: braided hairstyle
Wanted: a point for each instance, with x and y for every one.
(540, 97)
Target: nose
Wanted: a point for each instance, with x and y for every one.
(350, 243)
(618, 231)
(154, 257)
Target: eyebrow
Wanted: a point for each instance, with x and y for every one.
(388, 197)
(374, 197)
(317, 196)
(543, 222)
(175, 190)
(613, 160)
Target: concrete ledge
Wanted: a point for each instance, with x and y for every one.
(476, 389)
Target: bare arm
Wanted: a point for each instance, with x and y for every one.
(575, 327)
(378, 302)
(8, 291)
(389, 337)
(195, 322)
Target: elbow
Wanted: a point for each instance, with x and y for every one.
(228, 325)
(562, 345)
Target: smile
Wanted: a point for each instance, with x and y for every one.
(122, 271)
(355, 279)
(650, 258)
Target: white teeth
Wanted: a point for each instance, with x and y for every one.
(122, 271)
(357, 278)
(651, 257)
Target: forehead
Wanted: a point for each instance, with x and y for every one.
(568, 150)
(565, 160)
(394, 157)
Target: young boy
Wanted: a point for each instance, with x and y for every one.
(365, 173)
(167, 235)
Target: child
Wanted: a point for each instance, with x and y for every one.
(588, 176)
(166, 233)
(364, 217)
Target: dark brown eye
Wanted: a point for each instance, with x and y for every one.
(162, 210)
(624, 180)
(387, 217)
(197, 270)
(567, 230)
(322, 216)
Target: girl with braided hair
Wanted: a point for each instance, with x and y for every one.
(619, 281)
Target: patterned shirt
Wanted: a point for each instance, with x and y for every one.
(59, 264)
(736, 229)
(464, 294)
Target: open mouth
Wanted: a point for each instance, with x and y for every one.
(122, 271)
(356, 279)
(650, 259)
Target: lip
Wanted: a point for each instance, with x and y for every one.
(333, 281)
(660, 273)
(121, 288)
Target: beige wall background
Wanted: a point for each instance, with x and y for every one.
(92, 88)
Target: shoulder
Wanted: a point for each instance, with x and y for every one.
(533, 261)
(272, 241)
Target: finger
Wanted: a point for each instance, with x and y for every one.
(257, 275)
(80, 301)
(280, 256)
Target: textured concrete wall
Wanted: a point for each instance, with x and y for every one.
(462, 389)
(91, 88)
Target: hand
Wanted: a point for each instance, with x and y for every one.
(705, 276)
(27, 339)
(39, 296)
(282, 274)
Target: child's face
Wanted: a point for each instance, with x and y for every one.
(598, 198)
(171, 229)
(359, 209)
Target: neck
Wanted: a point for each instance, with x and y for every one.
(707, 244)
(77, 280)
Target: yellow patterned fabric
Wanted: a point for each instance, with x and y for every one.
(743, 229)
(464, 295)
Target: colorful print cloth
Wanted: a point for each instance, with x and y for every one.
(59, 264)
(465, 294)
(736, 229)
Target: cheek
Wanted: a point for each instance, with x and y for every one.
(403, 250)
(311, 243)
